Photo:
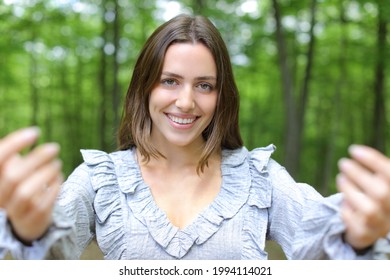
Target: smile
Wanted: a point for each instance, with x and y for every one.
(181, 120)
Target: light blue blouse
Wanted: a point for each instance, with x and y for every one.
(106, 197)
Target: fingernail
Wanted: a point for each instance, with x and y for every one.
(31, 133)
(58, 163)
(340, 179)
(52, 148)
(344, 164)
(357, 151)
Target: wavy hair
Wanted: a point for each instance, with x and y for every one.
(136, 124)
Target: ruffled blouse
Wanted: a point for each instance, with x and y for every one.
(106, 198)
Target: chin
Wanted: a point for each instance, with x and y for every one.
(183, 142)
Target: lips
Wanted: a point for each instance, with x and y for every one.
(182, 120)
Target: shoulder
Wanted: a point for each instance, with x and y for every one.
(283, 184)
(119, 168)
(93, 157)
(250, 171)
(261, 161)
(104, 168)
(258, 160)
(261, 158)
(241, 155)
(266, 171)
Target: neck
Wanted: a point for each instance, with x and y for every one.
(178, 158)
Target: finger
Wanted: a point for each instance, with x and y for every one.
(6, 189)
(367, 208)
(348, 216)
(351, 192)
(17, 141)
(31, 190)
(357, 234)
(372, 159)
(35, 222)
(40, 156)
(355, 172)
(42, 205)
(372, 184)
(53, 191)
(17, 170)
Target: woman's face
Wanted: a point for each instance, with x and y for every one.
(183, 101)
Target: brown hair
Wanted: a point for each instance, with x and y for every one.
(136, 124)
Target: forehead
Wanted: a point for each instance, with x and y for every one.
(189, 58)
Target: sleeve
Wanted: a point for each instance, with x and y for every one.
(382, 248)
(306, 224)
(39, 248)
(72, 228)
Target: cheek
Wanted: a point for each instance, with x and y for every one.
(210, 105)
(154, 101)
(160, 99)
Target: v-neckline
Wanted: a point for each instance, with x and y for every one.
(232, 196)
(193, 216)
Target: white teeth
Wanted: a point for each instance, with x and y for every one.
(180, 120)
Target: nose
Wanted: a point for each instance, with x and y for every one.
(185, 99)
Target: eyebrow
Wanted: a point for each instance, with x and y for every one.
(170, 74)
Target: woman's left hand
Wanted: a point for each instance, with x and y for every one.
(365, 182)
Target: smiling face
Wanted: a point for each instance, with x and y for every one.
(183, 102)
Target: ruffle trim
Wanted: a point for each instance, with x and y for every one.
(121, 168)
(177, 242)
(107, 203)
(256, 219)
(382, 248)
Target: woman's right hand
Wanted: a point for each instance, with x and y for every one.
(29, 182)
(365, 182)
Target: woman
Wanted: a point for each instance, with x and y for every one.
(183, 186)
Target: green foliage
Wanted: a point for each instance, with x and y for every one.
(59, 67)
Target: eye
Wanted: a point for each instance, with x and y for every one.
(205, 87)
(168, 82)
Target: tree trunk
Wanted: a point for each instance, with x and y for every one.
(102, 112)
(291, 125)
(295, 111)
(115, 86)
(308, 73)
(33, 86)
(378, 138)
(198, 6)
(329, 151)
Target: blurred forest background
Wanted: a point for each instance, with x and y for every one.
(313, 74)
